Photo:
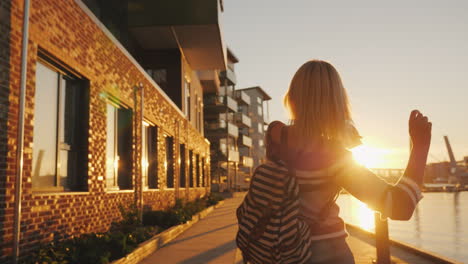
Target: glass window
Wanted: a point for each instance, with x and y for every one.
(119, 148)
(259, 100)
(187, 99)
(60, 137)
(112, 160)
(150, 156)
(260, 128)
(182, 167)
(169, 162)
(191, 168)
(259, 110)
(159, 76)
(203, 172)
(197, 160)
(260, 142)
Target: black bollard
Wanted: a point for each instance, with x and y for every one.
(382, 242)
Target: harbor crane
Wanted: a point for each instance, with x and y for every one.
(458, 173)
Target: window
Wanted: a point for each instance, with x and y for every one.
(191, 168)
(183, 162)
(203, 172)
(197, 113)
(187, 98)
(260, 142)
(259, 100)
(260, 128)
(159, 76)
(150, 156)
(200, 117)
(169, 162)
(119, 148)
(197, 160)
(60, 138)
(260, 110)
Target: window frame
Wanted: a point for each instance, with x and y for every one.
(63, 73)
(114, 102)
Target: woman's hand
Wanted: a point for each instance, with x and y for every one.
(420, 130)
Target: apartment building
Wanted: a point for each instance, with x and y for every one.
(244, 141)
(113, 111)
(258, 112)
(220, 108)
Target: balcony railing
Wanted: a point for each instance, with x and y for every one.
(245, 141)
(229, 76)
(243, 98)
(233, 130)
(220, 124)
(247, 161)
(220, 103)
(233, 154)
(243, 120)
(231, 103)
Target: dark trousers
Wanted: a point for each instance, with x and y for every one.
(331, 251)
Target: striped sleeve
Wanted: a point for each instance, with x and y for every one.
(394, 201)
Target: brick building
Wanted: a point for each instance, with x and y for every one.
(113, 111)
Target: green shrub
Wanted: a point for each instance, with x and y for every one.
(213, 198)
(123, 236)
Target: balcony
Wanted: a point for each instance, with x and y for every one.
(247, 161)
(233, 155)
(233, 130)
(217, 125)
(228, 77)
(243, 120)
(209, 80)
(194, 26)
(219, 104)
(231, 104)
(242, 97)
(245, 141)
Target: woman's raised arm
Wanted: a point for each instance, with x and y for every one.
(395, 201)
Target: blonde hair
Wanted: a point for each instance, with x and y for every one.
(318, 104)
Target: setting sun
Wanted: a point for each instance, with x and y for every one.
(370, 157)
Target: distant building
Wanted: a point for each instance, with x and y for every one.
(259, 115)
(437, 172)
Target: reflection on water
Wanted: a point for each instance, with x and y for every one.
(439, 223)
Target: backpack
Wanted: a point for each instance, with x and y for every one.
(271, 229)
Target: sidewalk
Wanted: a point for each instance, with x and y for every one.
(212, 240)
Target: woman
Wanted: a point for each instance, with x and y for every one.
(319, 136)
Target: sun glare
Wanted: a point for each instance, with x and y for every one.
(370, 157)
(364, 216)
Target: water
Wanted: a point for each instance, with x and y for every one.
(439, 224)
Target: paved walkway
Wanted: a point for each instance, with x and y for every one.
(212, 240)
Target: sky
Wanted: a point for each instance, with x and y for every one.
(393, 56)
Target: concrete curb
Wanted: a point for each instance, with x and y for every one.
(153, 244)
(423, 253)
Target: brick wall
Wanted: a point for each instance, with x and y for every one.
(5, 203)
(64, 30)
